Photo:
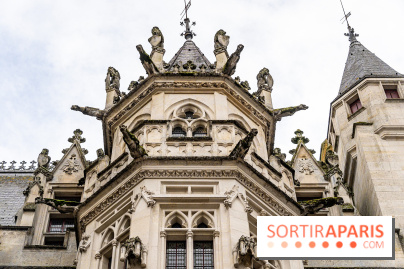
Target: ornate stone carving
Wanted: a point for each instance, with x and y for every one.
(242, 147)
(60, 205)
(232, 195)
(133, 181)
(146, 61)
(147, 196)
(112, 81)
(90, 111)
(133, 85)
(157, 40)
(305, 166)
(44, 159)
(230, 67)
(83, 246)
(264, 80)
(37, 181)
(135, 149)
(72, 165)
(134, 253)
(100, 153)
(221, 42)
(278, 153)
(313, 206)
(279, 113)
(245, 252)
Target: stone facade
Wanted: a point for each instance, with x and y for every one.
(189, 164)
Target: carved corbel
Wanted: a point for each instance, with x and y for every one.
(83, 246)
(232, 195)
(134, 253)
(245, 252)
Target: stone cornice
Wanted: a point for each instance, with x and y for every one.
(214, 172)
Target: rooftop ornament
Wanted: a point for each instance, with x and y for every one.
(188, 33)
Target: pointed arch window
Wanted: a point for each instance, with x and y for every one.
(179, 132)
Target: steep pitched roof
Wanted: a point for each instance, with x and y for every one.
(362, 63)
(189, 52)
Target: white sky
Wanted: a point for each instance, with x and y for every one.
(54, 54)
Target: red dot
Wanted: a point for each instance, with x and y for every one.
(339, 244)
(325, 244)
(312, 244)
(353, 244)
(298, 244)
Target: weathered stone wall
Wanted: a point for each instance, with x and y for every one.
(14, 254)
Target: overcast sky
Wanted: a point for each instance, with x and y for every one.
(54, 54)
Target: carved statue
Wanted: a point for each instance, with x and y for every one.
(60, 205)
(134, 253)
(242, 147)
(72, 165)
(245, 85)
(313, 206)
(146, 61)
(287, 111)
(221, 42)
(157, 39)
(147, 196)
(100, 154)
(90, 111)
(83, 246)
(133, 85)
(264, 80)
(136, 150)
(112, 81)
(44, 159)
(245, 252)
(230, 67)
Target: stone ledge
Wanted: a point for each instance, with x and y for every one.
(356, 113)
(9, 227)
(395, 100)
(189, 139)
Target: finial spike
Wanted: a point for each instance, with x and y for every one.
(188, 32)
(351, 32)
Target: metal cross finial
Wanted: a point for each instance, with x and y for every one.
(188, 32)
(352, 35)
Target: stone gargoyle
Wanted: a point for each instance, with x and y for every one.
(157, 39)
(90, 111)
(60, 205)
(135, 149)
(134, 253)
(44, 159)
(221, 42)
(146, 61)
(287, 111)
(313, 206)
(230, 67)
(245, 252)
(242, 147)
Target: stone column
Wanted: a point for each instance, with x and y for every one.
(117, 254)
(216, 248)
(98, 259)
(163, 240)
(190, 249)
(114, 243)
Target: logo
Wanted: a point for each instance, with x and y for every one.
(333, 237)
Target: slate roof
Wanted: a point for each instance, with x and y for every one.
(11, 195)
(189, 52)
(362, 63)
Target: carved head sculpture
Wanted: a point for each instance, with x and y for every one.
(100, 153)
(221, 39)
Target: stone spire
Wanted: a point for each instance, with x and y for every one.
(362, 63)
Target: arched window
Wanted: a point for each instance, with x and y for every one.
(202, 225)
(179, 132)
(189, 115)
(200, 132)
(176, 225)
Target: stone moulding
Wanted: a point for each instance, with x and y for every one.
(137, 178)
(185, 85)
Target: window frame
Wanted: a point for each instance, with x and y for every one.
(184, 254)
(212, 254)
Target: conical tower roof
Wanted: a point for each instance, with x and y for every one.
(189, 52)
(361, 64)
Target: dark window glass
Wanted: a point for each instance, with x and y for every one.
(200, 132)
(189, 115)
(355, 105)
(54, 241)
(176, 255)
(203, 255)
(179, 132)
(60, 225)
(176, 225)
(202, 225)
(391, 94)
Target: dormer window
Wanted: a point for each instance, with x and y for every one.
(200, 132)
(391, 91)
(179, 132)
(355, 105)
